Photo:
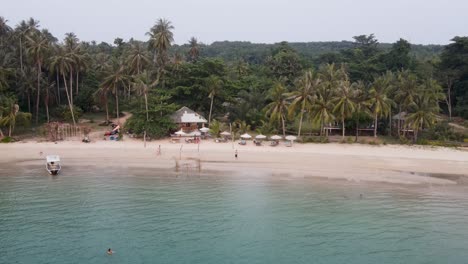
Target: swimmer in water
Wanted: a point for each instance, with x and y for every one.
(109, 251)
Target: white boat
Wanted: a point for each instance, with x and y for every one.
(53, 164)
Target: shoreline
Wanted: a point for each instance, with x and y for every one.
(384, 164)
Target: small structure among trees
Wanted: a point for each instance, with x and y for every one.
(187, 119)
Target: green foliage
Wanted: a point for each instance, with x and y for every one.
(62, 112)
(442, 131)
(156, 127)
(7, 140)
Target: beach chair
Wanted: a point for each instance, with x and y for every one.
(288, 144)
(242, 142)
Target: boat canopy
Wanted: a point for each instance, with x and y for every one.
(53, 158)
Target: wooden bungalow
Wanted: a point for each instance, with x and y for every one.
(188, 120)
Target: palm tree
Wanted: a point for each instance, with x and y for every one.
(102, 94)
(378, 100)
(5, 29)
(38, 47)
(214, 85)
(137, 58)
(8, 115)
(406, 90)
(194, 51)
(144, 84)
(24, 28)
(423, 114)
(63, 64)
(344, 104)
(278, 108)
(116, 77)
(161, 38)
(304, 96)
(360, 100)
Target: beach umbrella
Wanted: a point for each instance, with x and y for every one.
(204, 129)
(292, 138)
(225, 133)
(260, 136)
(195, 133)
(180, 133)
(246, 136)
(276, 137)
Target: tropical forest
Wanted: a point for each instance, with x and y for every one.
(395, 92)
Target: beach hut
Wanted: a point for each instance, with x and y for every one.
(188, 120)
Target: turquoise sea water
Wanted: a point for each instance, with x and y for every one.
(149, 218)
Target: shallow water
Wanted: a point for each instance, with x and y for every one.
(144, 218)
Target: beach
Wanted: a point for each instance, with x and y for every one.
(395, 164)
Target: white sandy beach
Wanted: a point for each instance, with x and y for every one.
(391, 163)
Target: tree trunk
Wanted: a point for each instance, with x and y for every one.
(21, 55)
(211, 108)
(29, 102)
(342, 122)
(357, 129)
(399, 120)
(375, 125)
(300, 121)
(390, 121)
(321, 127)
(46, 103)
(107, 109)
(38, 91)
(9, 130)
(449, 97)
(77, 81)
(69, 99)
(58, 88)
(71, 87)
(117, 104)
(146, 106)
(284, 128)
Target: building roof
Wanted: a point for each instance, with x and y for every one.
(187, 115)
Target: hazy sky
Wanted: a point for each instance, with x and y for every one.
(261, 21)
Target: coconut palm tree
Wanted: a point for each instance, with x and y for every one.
(406, 90)
(423, 113)
(361, 102)
(278, 108)
(144, 84)
(304, 96)
(116, 79)
(5, 29)
(8, 115)
(63, 64)
(378, 100)
(214, 85)
(102, 94)
(194, 51)
(161, 38)
(344, 103)
(38, 48)
(23, 29)
(137, 58)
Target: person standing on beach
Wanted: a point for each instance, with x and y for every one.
(235, 154)
(158, 153)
